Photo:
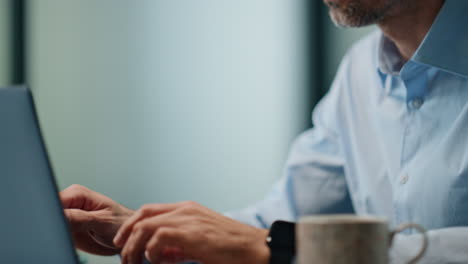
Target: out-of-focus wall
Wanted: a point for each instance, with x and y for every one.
(5, 44)
(167, 100)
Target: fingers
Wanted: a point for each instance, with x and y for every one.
(142, 231)
(135, 245)
(74, 197)
(159, 247)
(144, 212)
(163, 223)
(78, 219)
(84, 242)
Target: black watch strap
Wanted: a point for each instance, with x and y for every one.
(282, 242)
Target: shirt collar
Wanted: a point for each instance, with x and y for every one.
(445, 45)
(390, 60)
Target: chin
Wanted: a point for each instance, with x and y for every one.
(341, 19)
(337, 3)
(358, 13)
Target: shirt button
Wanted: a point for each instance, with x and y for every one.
(404, 178)
(416, 103)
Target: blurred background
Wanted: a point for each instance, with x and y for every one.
(154, 101)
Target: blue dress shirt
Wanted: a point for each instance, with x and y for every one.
(389, 139)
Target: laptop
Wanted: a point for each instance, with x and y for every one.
(33, 228)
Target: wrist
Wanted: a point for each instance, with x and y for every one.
(263, 252)
(255, 250)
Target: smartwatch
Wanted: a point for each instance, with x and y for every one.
(281, 241)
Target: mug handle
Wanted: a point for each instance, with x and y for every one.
(421, 230)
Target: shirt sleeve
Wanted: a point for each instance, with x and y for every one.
(447, 245)
(313, 181)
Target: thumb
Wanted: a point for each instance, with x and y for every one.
(79, 220)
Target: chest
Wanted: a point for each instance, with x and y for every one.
(407, 159)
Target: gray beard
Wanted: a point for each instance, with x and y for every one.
(356, 15)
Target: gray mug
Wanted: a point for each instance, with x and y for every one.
(348, 239)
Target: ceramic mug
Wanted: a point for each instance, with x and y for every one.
(350, 239)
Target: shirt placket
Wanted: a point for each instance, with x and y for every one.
(414, 78)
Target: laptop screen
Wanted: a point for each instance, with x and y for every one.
(32, 226)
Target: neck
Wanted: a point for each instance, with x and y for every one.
(409, 23)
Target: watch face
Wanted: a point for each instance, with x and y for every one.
(282, 235)
(282, 243)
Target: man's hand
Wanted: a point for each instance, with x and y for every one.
(94, 219)
(189, 231)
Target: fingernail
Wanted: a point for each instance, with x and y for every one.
(117, 240)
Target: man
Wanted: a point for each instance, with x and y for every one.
(390, 138)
